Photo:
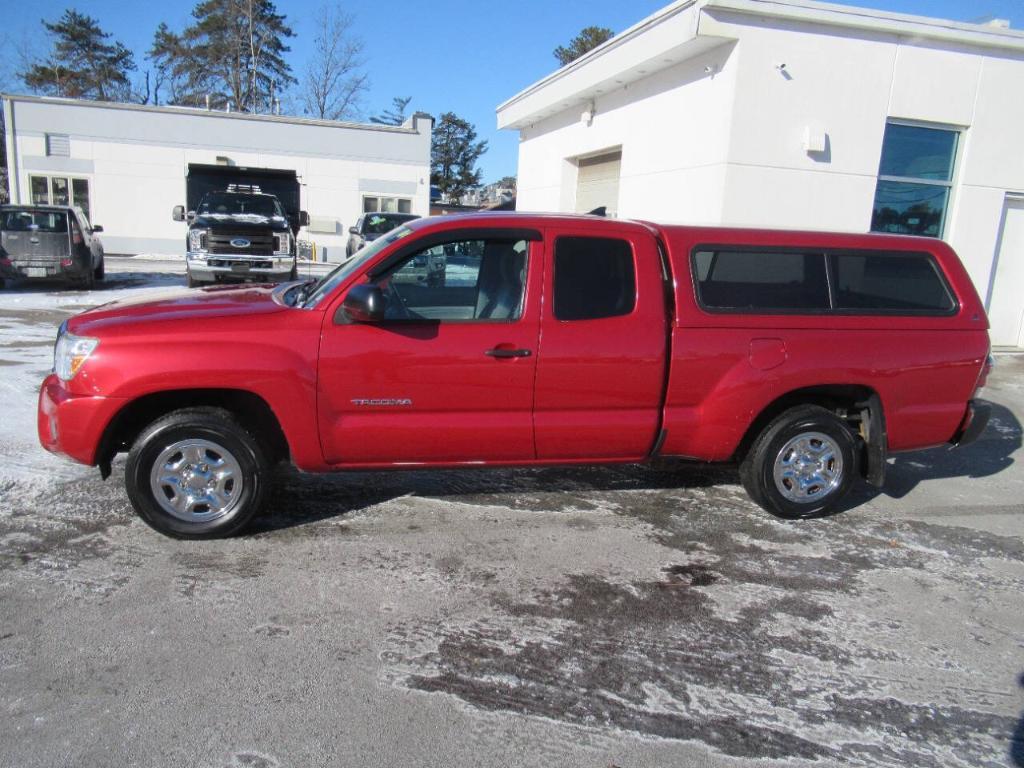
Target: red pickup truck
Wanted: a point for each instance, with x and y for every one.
(515, 339)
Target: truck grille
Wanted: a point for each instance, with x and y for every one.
(260, 244)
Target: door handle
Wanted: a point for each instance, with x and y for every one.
(499, 352)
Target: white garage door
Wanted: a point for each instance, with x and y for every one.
(1006, 303)
(597, 183)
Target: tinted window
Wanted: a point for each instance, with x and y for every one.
(464, 280)
(751, 280)
(889, 282)
(34, 221)
(594, 277)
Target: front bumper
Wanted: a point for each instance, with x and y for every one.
(973, 423)
(210, 266)
(72, 425)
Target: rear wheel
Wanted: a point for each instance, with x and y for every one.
(802, 464)
(101, 271)
(197, 474)
(88, 281)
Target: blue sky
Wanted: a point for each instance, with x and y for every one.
(463, 56)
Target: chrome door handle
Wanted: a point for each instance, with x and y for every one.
(498, 352)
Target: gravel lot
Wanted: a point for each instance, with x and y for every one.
(586, 617)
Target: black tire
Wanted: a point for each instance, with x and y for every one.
(757, 470)
(295, 273)
(212, 426)
(88, 281)
(101, 271)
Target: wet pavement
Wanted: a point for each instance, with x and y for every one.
(625, 616)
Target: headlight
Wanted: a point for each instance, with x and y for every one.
(197, 239)
(283, 244)
(70, 353)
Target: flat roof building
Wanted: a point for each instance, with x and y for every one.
(794, 114)
(125, 164)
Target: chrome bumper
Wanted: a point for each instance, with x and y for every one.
(210, 266)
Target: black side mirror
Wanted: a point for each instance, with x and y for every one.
(97, 227)
(364, 303)
(354, 230)
(178, 213)
(303, 218)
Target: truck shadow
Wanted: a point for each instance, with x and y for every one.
(299, 499)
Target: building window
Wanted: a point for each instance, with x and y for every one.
(60, 190)
(379, 204)
(914, 180)
(58, 145)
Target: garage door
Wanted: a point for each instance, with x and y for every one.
(597, 183)
(1006, 302)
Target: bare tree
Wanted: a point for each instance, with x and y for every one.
(335, 80)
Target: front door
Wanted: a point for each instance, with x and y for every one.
(1006, 300)
(448, 375)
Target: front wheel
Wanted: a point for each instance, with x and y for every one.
(197, 474)
(802, 464)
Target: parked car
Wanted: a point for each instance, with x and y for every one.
(370, 226)
(805, 357)
(50, 242)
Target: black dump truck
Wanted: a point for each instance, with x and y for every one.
(242, 223)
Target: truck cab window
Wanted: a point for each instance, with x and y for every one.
(468, 280)
(595, 277)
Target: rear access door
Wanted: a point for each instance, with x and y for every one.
(602, 360)
(36, 241)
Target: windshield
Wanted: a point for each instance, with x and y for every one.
(229, 204)
(379, 223)
(334, 278)
(34, 221)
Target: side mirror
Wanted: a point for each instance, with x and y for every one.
(178, 213)
(97, 227)
(190, 215)
(354, 230)
(303, 218)
(363, 304)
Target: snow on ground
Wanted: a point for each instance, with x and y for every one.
(30, 314)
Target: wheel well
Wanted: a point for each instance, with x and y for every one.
(251, 410)
(851, 402)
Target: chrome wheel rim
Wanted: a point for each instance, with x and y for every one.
(196, 481)
(808, 468)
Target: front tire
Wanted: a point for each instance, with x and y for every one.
(802, 464)
(197, 473)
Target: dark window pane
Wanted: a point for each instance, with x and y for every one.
(59, 190)
(40, 190)
(890, 282)
(909, 209)
(922, 153)
(465, 280)
(751, 280)
(594, 277)
(80, 195)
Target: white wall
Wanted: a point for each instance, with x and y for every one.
(730, 148)
(136, 162)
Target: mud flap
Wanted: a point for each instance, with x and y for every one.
(876, 440)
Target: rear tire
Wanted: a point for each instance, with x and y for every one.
(802, 464)
(197, 473)
(101, 271)
(88, 281)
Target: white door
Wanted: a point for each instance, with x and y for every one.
(1006, 295)
(597, 184)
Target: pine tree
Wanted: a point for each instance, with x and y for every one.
(588, 39)
(233, 53)
(454, 151)
(81, 63)
(395, 115)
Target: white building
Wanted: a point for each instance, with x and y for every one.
(126, 164)
(794, 114)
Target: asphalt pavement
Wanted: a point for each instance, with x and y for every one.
(626, 616)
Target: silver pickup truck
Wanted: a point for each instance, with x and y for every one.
(49, 242)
